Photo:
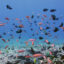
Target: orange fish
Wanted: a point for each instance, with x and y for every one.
(46, 41)
(0, 52)
(20, 51)
(62, 28)
(37, 55)
(26, 43)
(49, 61)
(17, 18)
(52, 45)
(7, 18)
(3, 40)
(27, 17)
(44, 15)
(2, 24)
(50, 52)
(31, 39)
(44, 57)
(28, 56)
(21, 26)
(32, 43)
(6, 47)
(41, 28)
(40, 23)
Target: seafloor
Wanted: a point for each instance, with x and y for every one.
(41, 54)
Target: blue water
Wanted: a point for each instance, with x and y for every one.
(23, 8)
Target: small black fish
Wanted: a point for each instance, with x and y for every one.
(16, 26)
(19, 37)
(56, 29)
(32, 16)
(19, 31)
(0, 36)
(40, 38)
(46, 33)
(31, 29)
(33, 34)
(47, 27)
(52, 10)
(49, 47)
(53, 17)
(13, 24)
(45, 9)
(4, 33)
(61, 25)
(11, 30)
(9, 7)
